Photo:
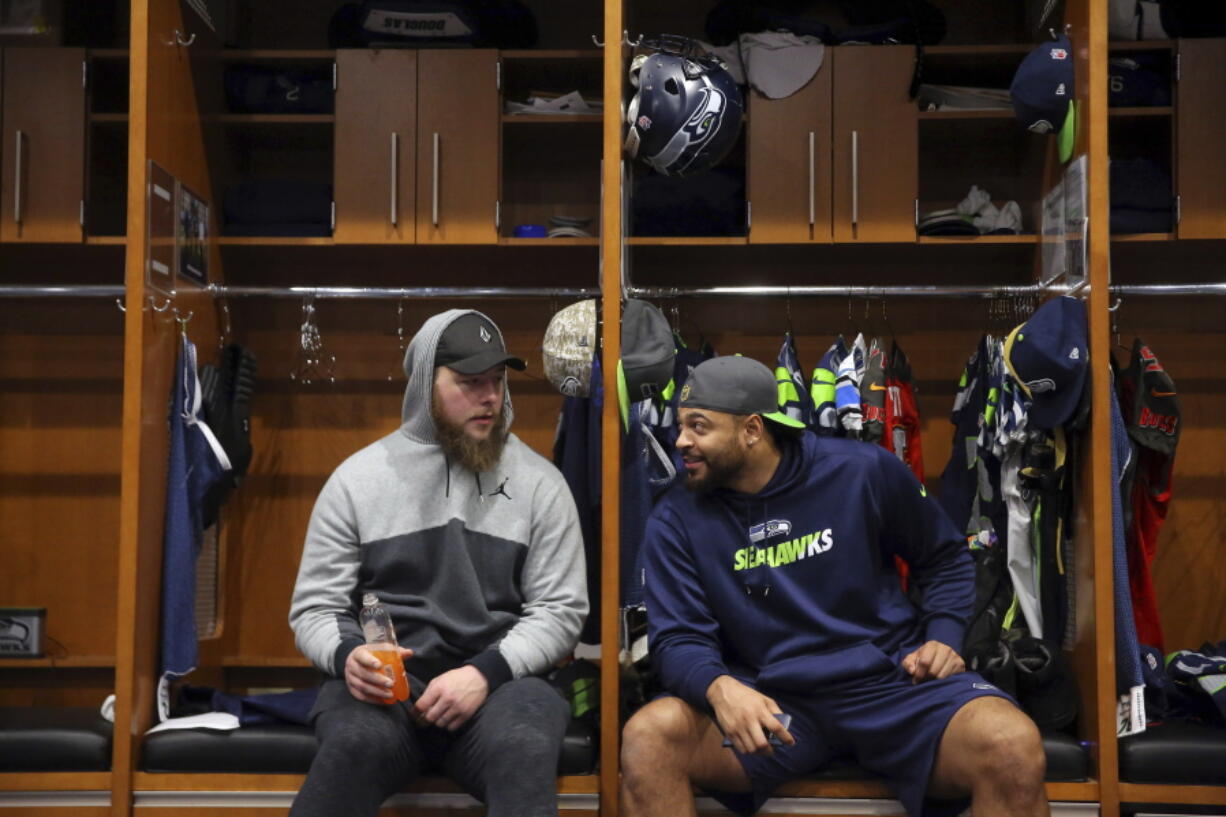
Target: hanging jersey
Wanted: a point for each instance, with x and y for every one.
(1152, 418)
(902, 434)
(197, 464)
(872, 394)
(822, 389)
(794, 399)
(847, 388)
(662, 419)
(576, 453)
(1127, 649)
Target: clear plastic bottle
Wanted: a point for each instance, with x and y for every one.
(381, 641)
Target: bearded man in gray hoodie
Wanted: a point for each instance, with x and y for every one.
(472, 543)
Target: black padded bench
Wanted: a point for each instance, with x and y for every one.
(54, 739)
(1175, 753)
(289, 749)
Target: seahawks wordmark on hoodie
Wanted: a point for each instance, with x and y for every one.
(794, 587)
(475, 568)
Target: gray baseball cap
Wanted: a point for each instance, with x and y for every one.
(648, 355)
(735, 385)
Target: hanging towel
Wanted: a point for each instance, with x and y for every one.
(197, 463)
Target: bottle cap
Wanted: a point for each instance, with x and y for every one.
(369, 599)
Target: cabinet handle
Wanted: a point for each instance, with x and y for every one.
(394, 181)
(812, 203)
(434, 185)
(21, 137)
(855, 178)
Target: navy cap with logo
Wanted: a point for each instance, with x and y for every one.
(1042, 92)
(735, 385)
(472, 344)
(1048, 356)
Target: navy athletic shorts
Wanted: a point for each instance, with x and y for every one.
(886, 724)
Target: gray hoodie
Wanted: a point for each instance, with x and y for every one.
(475, 568)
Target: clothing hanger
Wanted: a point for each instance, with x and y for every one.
(1114, 309)
(313, 362)
(182, 320)
(401, 343)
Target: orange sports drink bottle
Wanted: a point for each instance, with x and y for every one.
(381, 640)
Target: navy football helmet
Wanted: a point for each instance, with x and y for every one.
(687, 111)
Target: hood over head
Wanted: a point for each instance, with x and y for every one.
(415, 419)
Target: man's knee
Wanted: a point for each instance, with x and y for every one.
(528, 719)
(1009, 746)
(659, 732)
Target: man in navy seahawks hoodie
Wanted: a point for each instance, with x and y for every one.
(771, 590)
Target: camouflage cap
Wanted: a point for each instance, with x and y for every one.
(568, 348)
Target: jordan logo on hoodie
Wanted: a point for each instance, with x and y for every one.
(785, 553)
(501, 490)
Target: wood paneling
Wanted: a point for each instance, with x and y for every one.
(457, 113)
(44, 102)
(875, 200)
(376, 146)
(1201, 129)
(789, 156)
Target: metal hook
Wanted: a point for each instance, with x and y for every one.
(223, 337)
(632, 43)
(119, 303)
(180, 41)
(597, 42)
(1115, 305)
(153, 304)
(183, 320)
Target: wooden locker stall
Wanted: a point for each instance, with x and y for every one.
(797, 289)
(316, 402)
(60, 431)
(61, 339)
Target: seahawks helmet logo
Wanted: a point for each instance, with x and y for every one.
(688, 142)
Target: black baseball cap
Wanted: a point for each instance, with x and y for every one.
(472, 344)
(735, 385)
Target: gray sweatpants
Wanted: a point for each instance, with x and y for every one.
(506, 755)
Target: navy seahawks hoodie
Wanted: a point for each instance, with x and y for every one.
(795, 587)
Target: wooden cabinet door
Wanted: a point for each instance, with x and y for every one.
(789, 164)
(457, 147)
(1201, 126)
(375, 176)
(876, 165)
(42, 179)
